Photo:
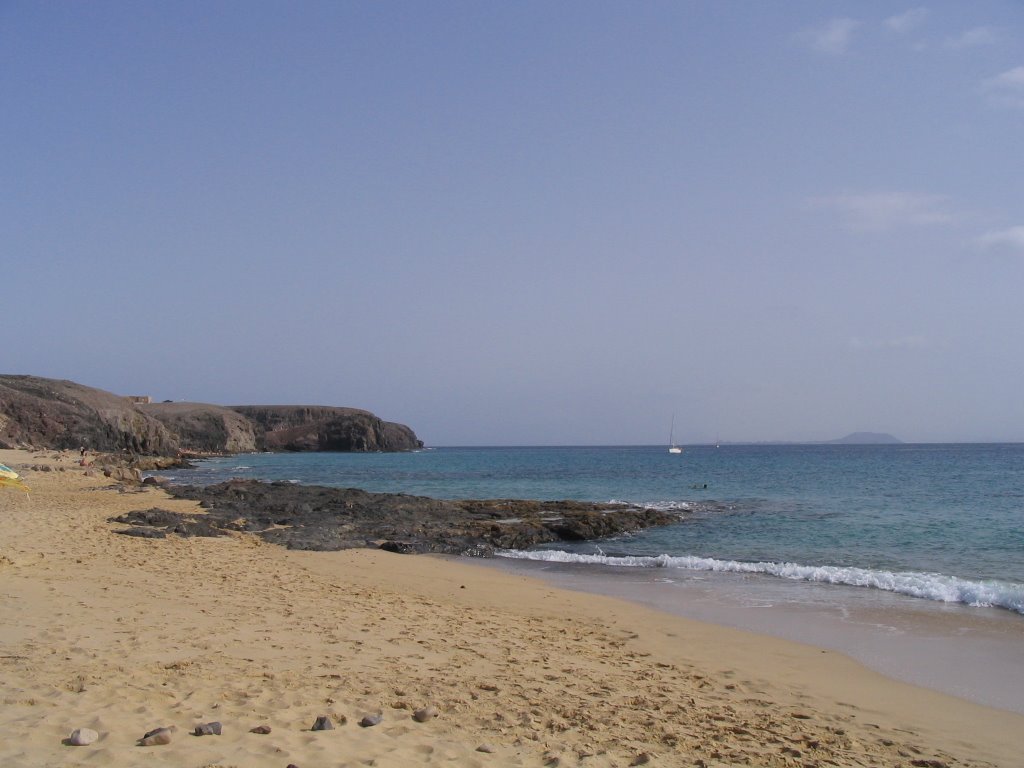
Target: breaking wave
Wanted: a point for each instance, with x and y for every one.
(930, 586)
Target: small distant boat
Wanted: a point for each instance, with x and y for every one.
(672, 447)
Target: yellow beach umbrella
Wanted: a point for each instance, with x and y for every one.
(9, 479)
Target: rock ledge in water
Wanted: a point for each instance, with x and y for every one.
(314, 517)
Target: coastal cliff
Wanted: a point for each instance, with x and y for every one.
(324, 428)
(63, 415)
(205, 428)
(38, 412)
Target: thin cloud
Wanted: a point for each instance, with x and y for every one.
(880, 211)
(1006, 89)
(999, 239)
(906, 21)
(833, 37)
(973, 38)
(1011, 78)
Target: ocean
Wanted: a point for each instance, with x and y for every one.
(909, 558)
(937, 522)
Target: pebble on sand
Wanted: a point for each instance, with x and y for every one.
(488, 748)
(260, 729)
(323, 723)
(157, 736)
(208, 729)
(427, 713)
(371, 720)
(82, 737)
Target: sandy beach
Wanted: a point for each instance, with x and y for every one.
(123, 635)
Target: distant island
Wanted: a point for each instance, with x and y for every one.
(866, 438)
(854, 438)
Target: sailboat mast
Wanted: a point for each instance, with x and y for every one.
(672, 447)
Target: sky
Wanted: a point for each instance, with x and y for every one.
(530, 223)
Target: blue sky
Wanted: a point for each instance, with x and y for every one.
(525, 223)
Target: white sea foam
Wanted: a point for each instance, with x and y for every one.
(931, 586)
(660, 506)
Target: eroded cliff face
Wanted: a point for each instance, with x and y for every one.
(324, 428)
(51, 413)
(205, 428)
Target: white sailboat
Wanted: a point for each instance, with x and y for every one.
(672, 447)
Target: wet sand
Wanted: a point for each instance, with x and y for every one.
(971, 652)
(123, 635)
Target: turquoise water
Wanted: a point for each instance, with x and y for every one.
(941, 522)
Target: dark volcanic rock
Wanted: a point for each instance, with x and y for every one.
(51, 413)
(157, 523)
(324, 428)
(323, 723)
(208, 729)
(319, 518)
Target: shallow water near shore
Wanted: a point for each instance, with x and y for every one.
(938, 522)
(909, 558)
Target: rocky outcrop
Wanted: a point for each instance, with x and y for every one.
(203, 428)
(51, 413)
(320, 518)
(323, 428)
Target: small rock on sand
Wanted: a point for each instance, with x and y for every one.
(371, 720)
(488, 748)
(82, 737)
(427, 713)
(323, 723)
(157, 736)
(208, 729)
(260, 729)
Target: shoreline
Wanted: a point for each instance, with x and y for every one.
(124, 634)
(970, 652)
